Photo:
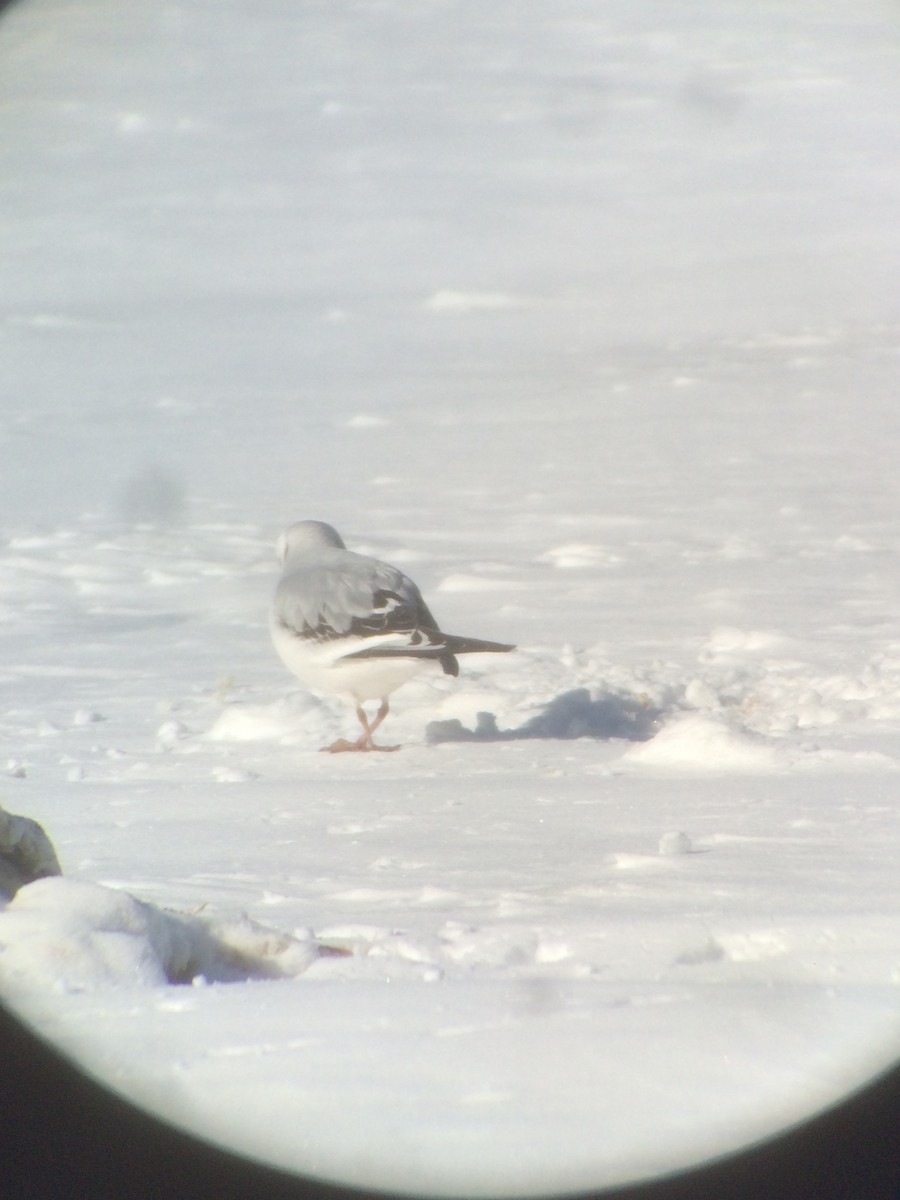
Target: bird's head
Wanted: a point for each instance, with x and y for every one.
(304, 536)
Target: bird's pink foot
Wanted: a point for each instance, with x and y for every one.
(365, 744)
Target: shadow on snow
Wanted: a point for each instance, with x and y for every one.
(572, 714)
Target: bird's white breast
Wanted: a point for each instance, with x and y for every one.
(321, 665)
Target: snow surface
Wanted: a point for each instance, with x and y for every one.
(586, 316)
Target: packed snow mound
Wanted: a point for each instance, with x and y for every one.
(252, 722)
(26, 853)
(301, 717)
(66, 935)
(700, 743)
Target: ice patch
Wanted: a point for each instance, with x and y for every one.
(233, 775)
(447, 300)
(637, 862)
(727, 641)
(737, 548)
(130, 123)
(366, 421)
(696, 742)
(575, 555)
(755, 946)
(475, 583)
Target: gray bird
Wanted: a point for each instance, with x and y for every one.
(354, 626)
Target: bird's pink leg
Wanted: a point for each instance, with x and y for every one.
(365, 741)
(371, 726)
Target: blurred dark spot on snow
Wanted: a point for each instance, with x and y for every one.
(572, 714)
(711, 92)
(539, 997)
(710, 951)
(154, 496)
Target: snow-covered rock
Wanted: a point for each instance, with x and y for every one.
(26, 853)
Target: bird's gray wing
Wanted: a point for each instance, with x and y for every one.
(339, 594)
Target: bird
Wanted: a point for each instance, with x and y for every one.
(356, 627)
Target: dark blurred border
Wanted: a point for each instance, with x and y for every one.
(63, 1135)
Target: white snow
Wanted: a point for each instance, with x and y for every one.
(587, 316)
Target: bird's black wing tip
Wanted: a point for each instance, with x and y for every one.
(465, 645)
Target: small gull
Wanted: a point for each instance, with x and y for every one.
(355, 626)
